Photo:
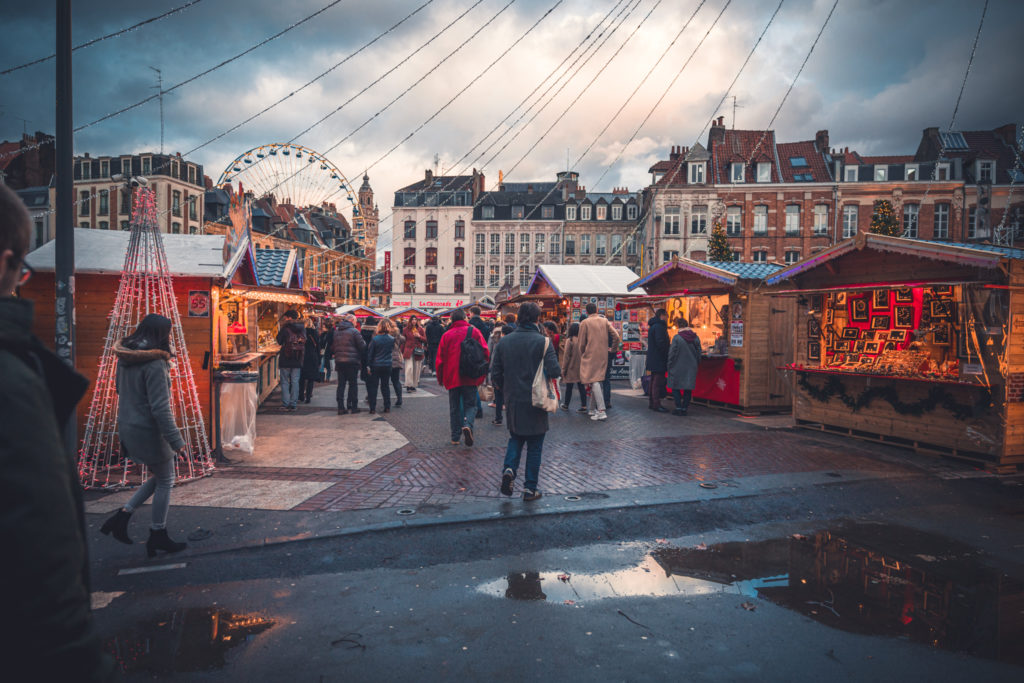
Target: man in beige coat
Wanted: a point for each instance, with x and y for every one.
(595, 333)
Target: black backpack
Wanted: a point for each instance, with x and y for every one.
(472, 357)
(294, 345)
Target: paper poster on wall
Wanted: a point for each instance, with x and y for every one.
(618, 315)
(575, 302)
(610, 302)
(736, 333)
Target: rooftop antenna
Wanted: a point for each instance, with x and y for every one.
(734, 107)
(567, 159)
(159, 87)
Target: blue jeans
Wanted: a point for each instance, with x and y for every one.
(290, 386)
(161, 479)
(461, 409)
(534, 444)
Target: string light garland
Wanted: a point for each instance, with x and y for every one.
(145, 287)
(115, 34)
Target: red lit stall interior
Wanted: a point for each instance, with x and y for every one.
(911, 342)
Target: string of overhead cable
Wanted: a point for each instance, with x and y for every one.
(210, 70)
(566, 110)
(416, 83)
(536, 88)
(331, 69)
(108, 36)
(551, 98)
(650, 206)
(1016, 171)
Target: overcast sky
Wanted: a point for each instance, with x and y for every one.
(883, 71)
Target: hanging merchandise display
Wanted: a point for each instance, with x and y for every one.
(145, 287)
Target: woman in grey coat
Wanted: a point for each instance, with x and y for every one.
(146, 427)
(683, 359)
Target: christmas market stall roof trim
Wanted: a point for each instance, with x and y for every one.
(403, 310)
(978, 255)
(726, 272)
(103, 251)
(569, 280)
(359, 311)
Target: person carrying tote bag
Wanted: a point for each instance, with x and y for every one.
(545, 391)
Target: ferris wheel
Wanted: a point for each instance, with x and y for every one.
(294, 174)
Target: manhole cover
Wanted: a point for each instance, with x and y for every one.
(406, 511)
(707, 485)
(200, 534)
(573, 499)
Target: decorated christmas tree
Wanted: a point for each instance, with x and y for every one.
(884, 221)
(718, 244)
(145, 288)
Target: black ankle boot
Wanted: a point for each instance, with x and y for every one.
(118, 526)
(159, 540)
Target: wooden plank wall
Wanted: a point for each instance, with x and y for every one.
(94, 298)
(764, 333)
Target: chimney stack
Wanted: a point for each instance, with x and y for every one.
(429, 175)
(821, 140)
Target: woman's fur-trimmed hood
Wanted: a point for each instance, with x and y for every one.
(139, 356)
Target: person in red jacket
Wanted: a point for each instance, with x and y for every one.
(462, 396)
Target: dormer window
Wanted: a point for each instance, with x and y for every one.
(737, 172)
(942, 171)
(986, 171)
(911, 172)
(764, 172)
(518, 210)
(602, 212)
(881, 173)
(631, 212)
(570, 212)
(696, 172)
(617, 212)
(850, 174)
(585, 212)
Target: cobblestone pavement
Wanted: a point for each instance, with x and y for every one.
(635, 447)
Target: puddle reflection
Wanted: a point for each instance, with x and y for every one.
(869, 579)
(194, 639)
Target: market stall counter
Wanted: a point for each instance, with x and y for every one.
(743, 332)
(911, 342)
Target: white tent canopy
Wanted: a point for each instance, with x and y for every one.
(103, 251)
(575, 280)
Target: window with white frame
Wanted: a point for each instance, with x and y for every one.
(699, 220)
(631, 212)
(495, 244)
(524, 243)
(910, 214)
(570, 245)
(600, 245)
(104, 225)
(104, 202)
(602, 212)
(492, 276)
(760, 219)
(696, 172)
(510, 243)
(792, 219)
(792, 257)
(478, 276)
(671, 220)
(539, 243)
(972, 222)
(986, 171)
(104, 169)
(737, 255)
(733, 220)
(524, 276)
(547, 211)
(941, 222)
(821, 219)
(480, 240)
(556, 245)
(487, 212)
(86, 170)
(881, 173)
(764, 172)
(616, 212)
(850, 174)
(509, 269)
(584, 245)
(570, 212)
(737, 172)
(910, 171)
(942, 171)
(667, 256)
(631, 247)
(760, 256)
(616, 244)
(147, 165)
(585, 212)
(849, 220)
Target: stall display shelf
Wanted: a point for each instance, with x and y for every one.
(874, 375)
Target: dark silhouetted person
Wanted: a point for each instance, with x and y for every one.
(657, 358)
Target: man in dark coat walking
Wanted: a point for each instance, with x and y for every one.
(657, 358)
(512, 370)
(434, 329)
(51, 635)
(348, 349)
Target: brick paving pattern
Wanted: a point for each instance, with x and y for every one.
(634, 448)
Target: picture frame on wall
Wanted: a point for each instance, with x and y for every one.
(867, 360)
(881, 335)
(852, 358)
(889, 346)
(851, 333)
(814, 350)
(941, 309)
(839, 359)
(880, 322)
(840, 298)
(897, 335)
(943, 290)
(904, 317)
(871, 347)
(880, 300)
(941, 336)
(830, 316)
(813, 328)
(859, 309)
(858, 345)
(904, 295)
(842, 345)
